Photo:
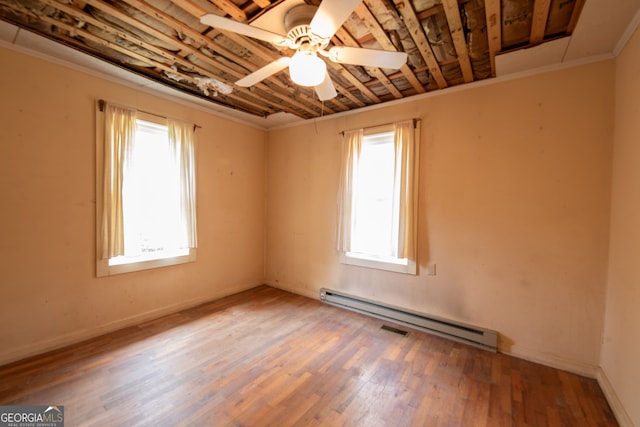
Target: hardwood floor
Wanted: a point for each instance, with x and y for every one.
(268, 357)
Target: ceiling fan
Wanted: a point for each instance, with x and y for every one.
(309, 30)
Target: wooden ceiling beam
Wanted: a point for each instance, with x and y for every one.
(231, 9)
(379, 33)
(338, 68)
(405, 7)
(336, 101)
(179, 45)
(539, 20)
(82, 16)
(452, 11)
(366, 38)
(342, 70)
(429, 12)
(256, 49)
(191, 8)
(494, 30)
(407, 71)
(262, 3)
(151, 63)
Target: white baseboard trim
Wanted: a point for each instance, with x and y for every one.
(550, 360)
(617, 407)
(40, 347)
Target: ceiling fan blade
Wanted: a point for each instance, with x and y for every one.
(367, 57)
(331, 15)
(264, 72)
(246, 30)
(326, 90)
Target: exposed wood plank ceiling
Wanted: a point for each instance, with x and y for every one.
(449, 42)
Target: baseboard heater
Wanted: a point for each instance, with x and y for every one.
(478, 337)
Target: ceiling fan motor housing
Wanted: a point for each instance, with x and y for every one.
(296, 22)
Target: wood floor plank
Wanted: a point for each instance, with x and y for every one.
(268, 357)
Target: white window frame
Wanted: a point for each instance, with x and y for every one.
(103, 268)
(398, 265)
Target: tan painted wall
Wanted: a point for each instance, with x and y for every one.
(515, 189)
(621, 346)
(50, 295)
(515, 192)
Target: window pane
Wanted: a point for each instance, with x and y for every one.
(373, 219)
(151, 196)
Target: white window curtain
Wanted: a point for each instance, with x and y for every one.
(352, 144)
(182, 141)
(406, 187)
(120, 127)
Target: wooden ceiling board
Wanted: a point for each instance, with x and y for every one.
(448, 43)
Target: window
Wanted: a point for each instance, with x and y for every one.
(378, 198)
(146, 187)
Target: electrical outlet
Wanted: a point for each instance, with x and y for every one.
(431, 269)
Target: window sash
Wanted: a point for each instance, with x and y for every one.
(374, 217)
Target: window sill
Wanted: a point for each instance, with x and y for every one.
(404, 266)
(103, 268)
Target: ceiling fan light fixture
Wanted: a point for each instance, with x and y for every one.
(306, 69)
